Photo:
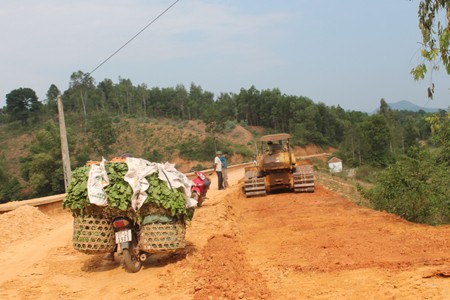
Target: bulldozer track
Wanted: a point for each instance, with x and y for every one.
(255, 187)
(303, 182)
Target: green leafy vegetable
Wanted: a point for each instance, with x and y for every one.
(77, 197)
(160, 197)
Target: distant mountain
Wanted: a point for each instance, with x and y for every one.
(406, 105)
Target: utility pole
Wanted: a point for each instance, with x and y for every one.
(64, 145)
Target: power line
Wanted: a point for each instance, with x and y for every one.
(123, 46)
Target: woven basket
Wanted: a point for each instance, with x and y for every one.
(93, 235)
(162, 237)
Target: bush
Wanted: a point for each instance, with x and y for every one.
(154, 155)
(415, 188)
(9, 185)
(229, 125)
(194, 149)
(198, 167)
(367, 173)
(320, 165)
(241, 150)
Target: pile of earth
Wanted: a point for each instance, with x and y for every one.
(24, 223)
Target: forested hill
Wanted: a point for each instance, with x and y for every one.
(408, 106)
(99, 117)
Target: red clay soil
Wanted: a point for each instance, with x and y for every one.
(284, 246)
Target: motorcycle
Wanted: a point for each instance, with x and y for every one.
(200, 187)
(127, 239)
(157, 235)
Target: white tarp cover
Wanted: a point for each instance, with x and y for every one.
(97, 180)
(138, 169)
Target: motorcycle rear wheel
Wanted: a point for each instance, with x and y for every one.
(132, 263)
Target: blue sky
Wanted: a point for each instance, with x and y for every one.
(350, 53)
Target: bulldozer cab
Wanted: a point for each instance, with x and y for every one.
(276, 152)
(275, 142)
(271, 147)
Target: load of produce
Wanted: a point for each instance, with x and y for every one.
(130, 187)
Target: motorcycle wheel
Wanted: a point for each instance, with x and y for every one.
(195, 196)
(132, 263)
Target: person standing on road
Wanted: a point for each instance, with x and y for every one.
(223, 159)
(218, 169)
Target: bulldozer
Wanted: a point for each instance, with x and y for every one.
(276, 168)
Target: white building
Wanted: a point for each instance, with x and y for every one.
(335, 165)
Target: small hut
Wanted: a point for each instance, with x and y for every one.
(335, 165)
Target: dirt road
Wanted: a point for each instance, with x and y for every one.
(284, 246)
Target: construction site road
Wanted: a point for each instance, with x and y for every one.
(282, 246)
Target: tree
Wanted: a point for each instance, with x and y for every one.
(42, 168)
(227, 106)
(440, 128)
(106, 89)
(353, 145)
(395, 133)
(248, 106)
(214, 125)
(410, 135)
(435, 38)
(302, 121)
(125, 92)
(52, 96)
(142, 94)
(9, 186)
(20, 103)
(180, 102)
(377, 136)
(199, 101)
(82, 83)
(101, 134)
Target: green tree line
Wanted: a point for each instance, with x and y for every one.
(378, 140)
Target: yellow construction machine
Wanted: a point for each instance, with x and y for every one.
(276, 168)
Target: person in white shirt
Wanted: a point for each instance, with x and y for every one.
(218, 169)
